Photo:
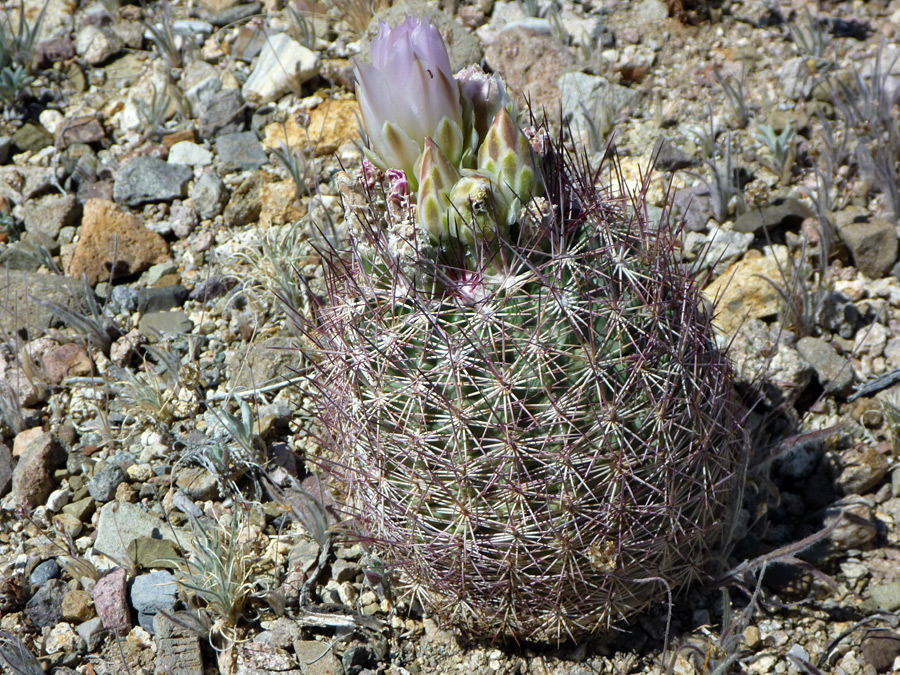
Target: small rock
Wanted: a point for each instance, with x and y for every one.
(77, 606)
(282, 632)
(48, 52)
(149, 553)
(781, 212)
(861, 471)
(531, 63)
(355, 658)
(96, 45)
(92, 632)
(886, 596)
(121, 523)
(241, 151)
(245, 204)
(6, 469)
(161, 299)
(68, 360)
(31, 138)
(743, 293)
(46, 216)
(670, 157)
(880, 648)
(857, 526)
(62, 638)
(317, 658)
(223, 113)
(872, 243)
(109, 235)
(832, 370)
(102, 486)
(151, 593)
(871, 340)
(259, 658)
(45, 606)
(32, 479)
(111, 602)
(86, 129)
(149, 179)
(165, 323)
(331, 124)
(652, 11)
(209, 195)
(304, 555)
(343, 570)
(283, 66)
(189, 153)
(49, 569)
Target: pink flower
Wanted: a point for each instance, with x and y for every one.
(407, 94)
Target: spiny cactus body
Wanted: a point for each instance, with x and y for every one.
(527, 410)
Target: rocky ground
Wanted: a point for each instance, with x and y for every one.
(162, 170)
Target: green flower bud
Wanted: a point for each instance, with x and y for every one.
(507, 155)
(478, 210)
(436, 178)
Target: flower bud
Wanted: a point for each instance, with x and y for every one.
(507, 155)
(436, 178)
(478, 210)
(408, 94)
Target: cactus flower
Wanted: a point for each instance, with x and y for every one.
(437, 176)
(507, 154)
(408, 94)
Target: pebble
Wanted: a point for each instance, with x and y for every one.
(185, 152)
(45, 606)
(832, 370)
(283, 65)
(241, 151)
(49, 569)
(78, 607)
(102, 486)
(150, 179)
(111, 601)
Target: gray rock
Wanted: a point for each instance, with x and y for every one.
(120, 523)
(839, 315)
(190, 154)
(21, 291)
(343, 570)
(356, 657)
(97, 44)
(45, 606)
(223, 113)
(857, 526)
(259, 658)
(832, 370)
(106, 479)
(588, 99)
(282, 632)
(316, 658)
(49, 569)
(92, 632)
(178, 655)
(165, 323)
(241, 151)
(203, 91)
(111, 601)
(149, 179)
(153, 592)
(721, 247)
(245, 204)
(6, 469)
(653, 11)
(209, 195)
(861, 471)
(886, 596)
(161, 299)
(45, 217)
(257, 365)
(872, 243)
(32, 479)
(123, 299)
(781, 212)
(670, 157)
(232, 15)
(283, 66)
(800, 461)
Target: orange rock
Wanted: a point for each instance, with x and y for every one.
(110, 236)
(331, 124)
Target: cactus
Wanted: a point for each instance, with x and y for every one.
(523, 397)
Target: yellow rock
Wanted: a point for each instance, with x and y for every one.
(331, 124)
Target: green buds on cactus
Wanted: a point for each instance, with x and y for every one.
(437, 176)
(507, 155)
(456, 139)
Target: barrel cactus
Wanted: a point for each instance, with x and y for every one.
(526, 408)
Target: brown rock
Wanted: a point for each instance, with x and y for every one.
(32, 479)
(531, 63)
(24, 438)
(81, 130)
(68, 360)
(279, 203)
(110, 236)
(77, 606)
